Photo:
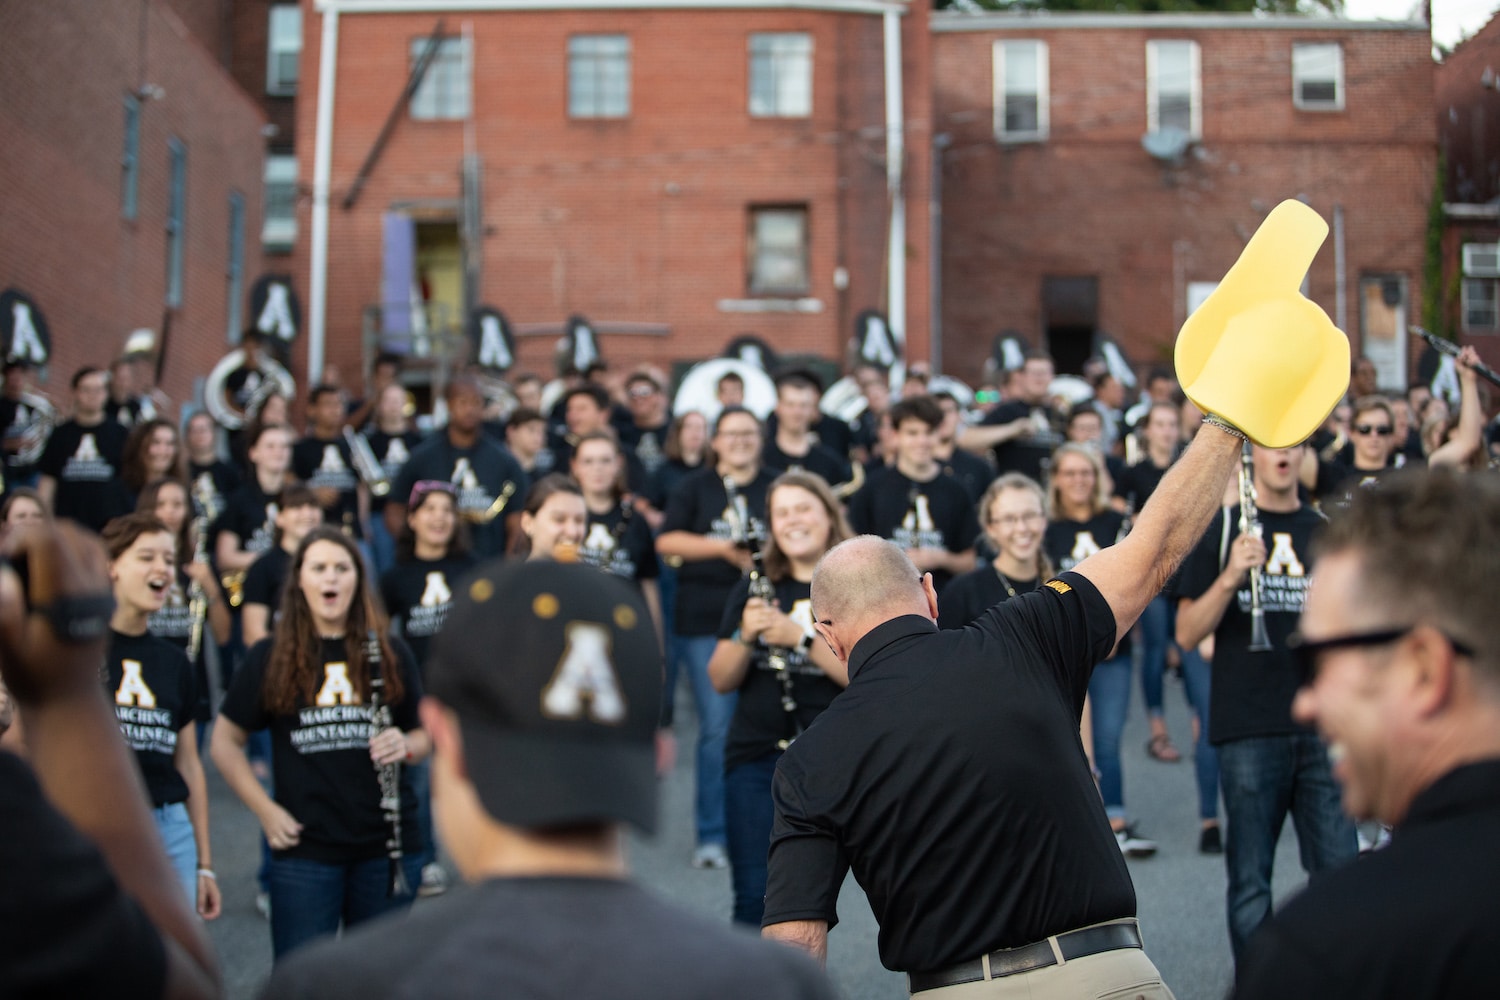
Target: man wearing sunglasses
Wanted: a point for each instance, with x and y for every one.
(1269, 764)
(1401, 650)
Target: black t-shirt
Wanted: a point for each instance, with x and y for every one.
(1252, 692)
(154, 693)
(249, 515)
(70, 930)
(760, 719)
(1135, 483)
(174, 622)
(972, 472)
(215, 482)
(700, 505)
(647, 445)
(522, 937)
(419, 593)
(16, 416)
(266, 578)
(86, 463)
(668, 475)
(619, 541)
(820, 460)
(482, 474)
(329, 463)
(937, 514)
(828, 431)
(950, 776)
(1032, 451)
(320, 756)
(968, 596)
(391, 451)
(1068, 543)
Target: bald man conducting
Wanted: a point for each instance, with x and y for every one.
(949, 774)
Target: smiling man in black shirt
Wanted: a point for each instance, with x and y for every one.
(950, 776)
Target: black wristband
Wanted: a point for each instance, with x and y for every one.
(79, 619)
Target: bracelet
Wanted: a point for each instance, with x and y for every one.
(1225, 426)
(207, 873)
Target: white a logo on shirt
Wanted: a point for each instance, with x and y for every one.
(336, 689)
(396, 453)
(436, 593)
(920, 518)
(599, 538)
(1083, 546)
(332, 460)
(25, 342)
(585, 679)
(463, 475)
(133, 689)
(1283, 560)
(87, 451)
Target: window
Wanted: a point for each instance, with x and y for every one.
(1318, 76)
(444, 91)
(599, 76)
(1020, 91)
(130, 158)
(235, 272)
(781, 76)
(1173, 93)
(176, 217)
(283, 49)
(1481, 287)
(279, 231)
(777, 252)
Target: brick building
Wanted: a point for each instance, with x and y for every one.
(1468, 116)
(1056, 220)
(678, 174)
(131, 177)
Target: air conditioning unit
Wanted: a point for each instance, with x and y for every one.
(1482, 260)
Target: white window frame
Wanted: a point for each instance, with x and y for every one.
(1154, 50)
(447, 89)
(278, 231)
(1041, 92)
(1301, 75)
(596, 86)
(1480, 288)
(788, 57)
(283, 43)
(757, 255)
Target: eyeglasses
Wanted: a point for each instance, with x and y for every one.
(643, 392)
(1015, 520)
(1381, 430)
(1306, 652)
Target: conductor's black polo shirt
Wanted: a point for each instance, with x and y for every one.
(950, 776)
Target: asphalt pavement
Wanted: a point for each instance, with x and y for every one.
(1180, 892)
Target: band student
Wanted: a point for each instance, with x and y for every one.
(80, 467)
(1400, 657)
(537, 769)
(311, 685)
(1269, 764)
(783, 679)
(617, 538)
(975, 734)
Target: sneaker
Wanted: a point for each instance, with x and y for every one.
(1209, 841)
(710, 856)
(263, 904)
(1133, 846)
(434, 880)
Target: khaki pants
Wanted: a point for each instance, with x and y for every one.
(1122, 974)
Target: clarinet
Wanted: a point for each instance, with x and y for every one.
(197, 596)
(778, 658)
(1260, 642)
(390, 774)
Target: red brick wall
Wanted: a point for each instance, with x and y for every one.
(1464, 106)
(96, 275)
(641, 220)
(1090, 201)
(249, 29)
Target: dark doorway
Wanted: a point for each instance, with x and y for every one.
(1070, 314)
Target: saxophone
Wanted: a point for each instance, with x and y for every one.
(389, 774)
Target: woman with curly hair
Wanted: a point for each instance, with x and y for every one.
(152, 451)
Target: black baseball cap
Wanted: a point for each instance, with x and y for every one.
(555, 673)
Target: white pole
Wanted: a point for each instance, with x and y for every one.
(317, 283)
(895, 153)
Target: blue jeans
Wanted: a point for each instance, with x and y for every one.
(1156, 624)
(1196, 684)
(666, 586)
(748, 813)
(714, 712)
(182, 850)
(1109, 699)
(1264, 777)
(381, 545)
(309, 899)
(421, 787)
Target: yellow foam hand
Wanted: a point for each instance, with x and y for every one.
(1257, 353)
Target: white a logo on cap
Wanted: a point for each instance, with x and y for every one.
(585, 679)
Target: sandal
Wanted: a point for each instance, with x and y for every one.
(1160, 746)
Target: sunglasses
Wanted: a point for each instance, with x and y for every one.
(1378, 429)
(1306, 652)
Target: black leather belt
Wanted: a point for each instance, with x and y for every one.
(1014, 961)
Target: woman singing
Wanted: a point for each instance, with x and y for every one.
(310, 684)
(768, 652)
